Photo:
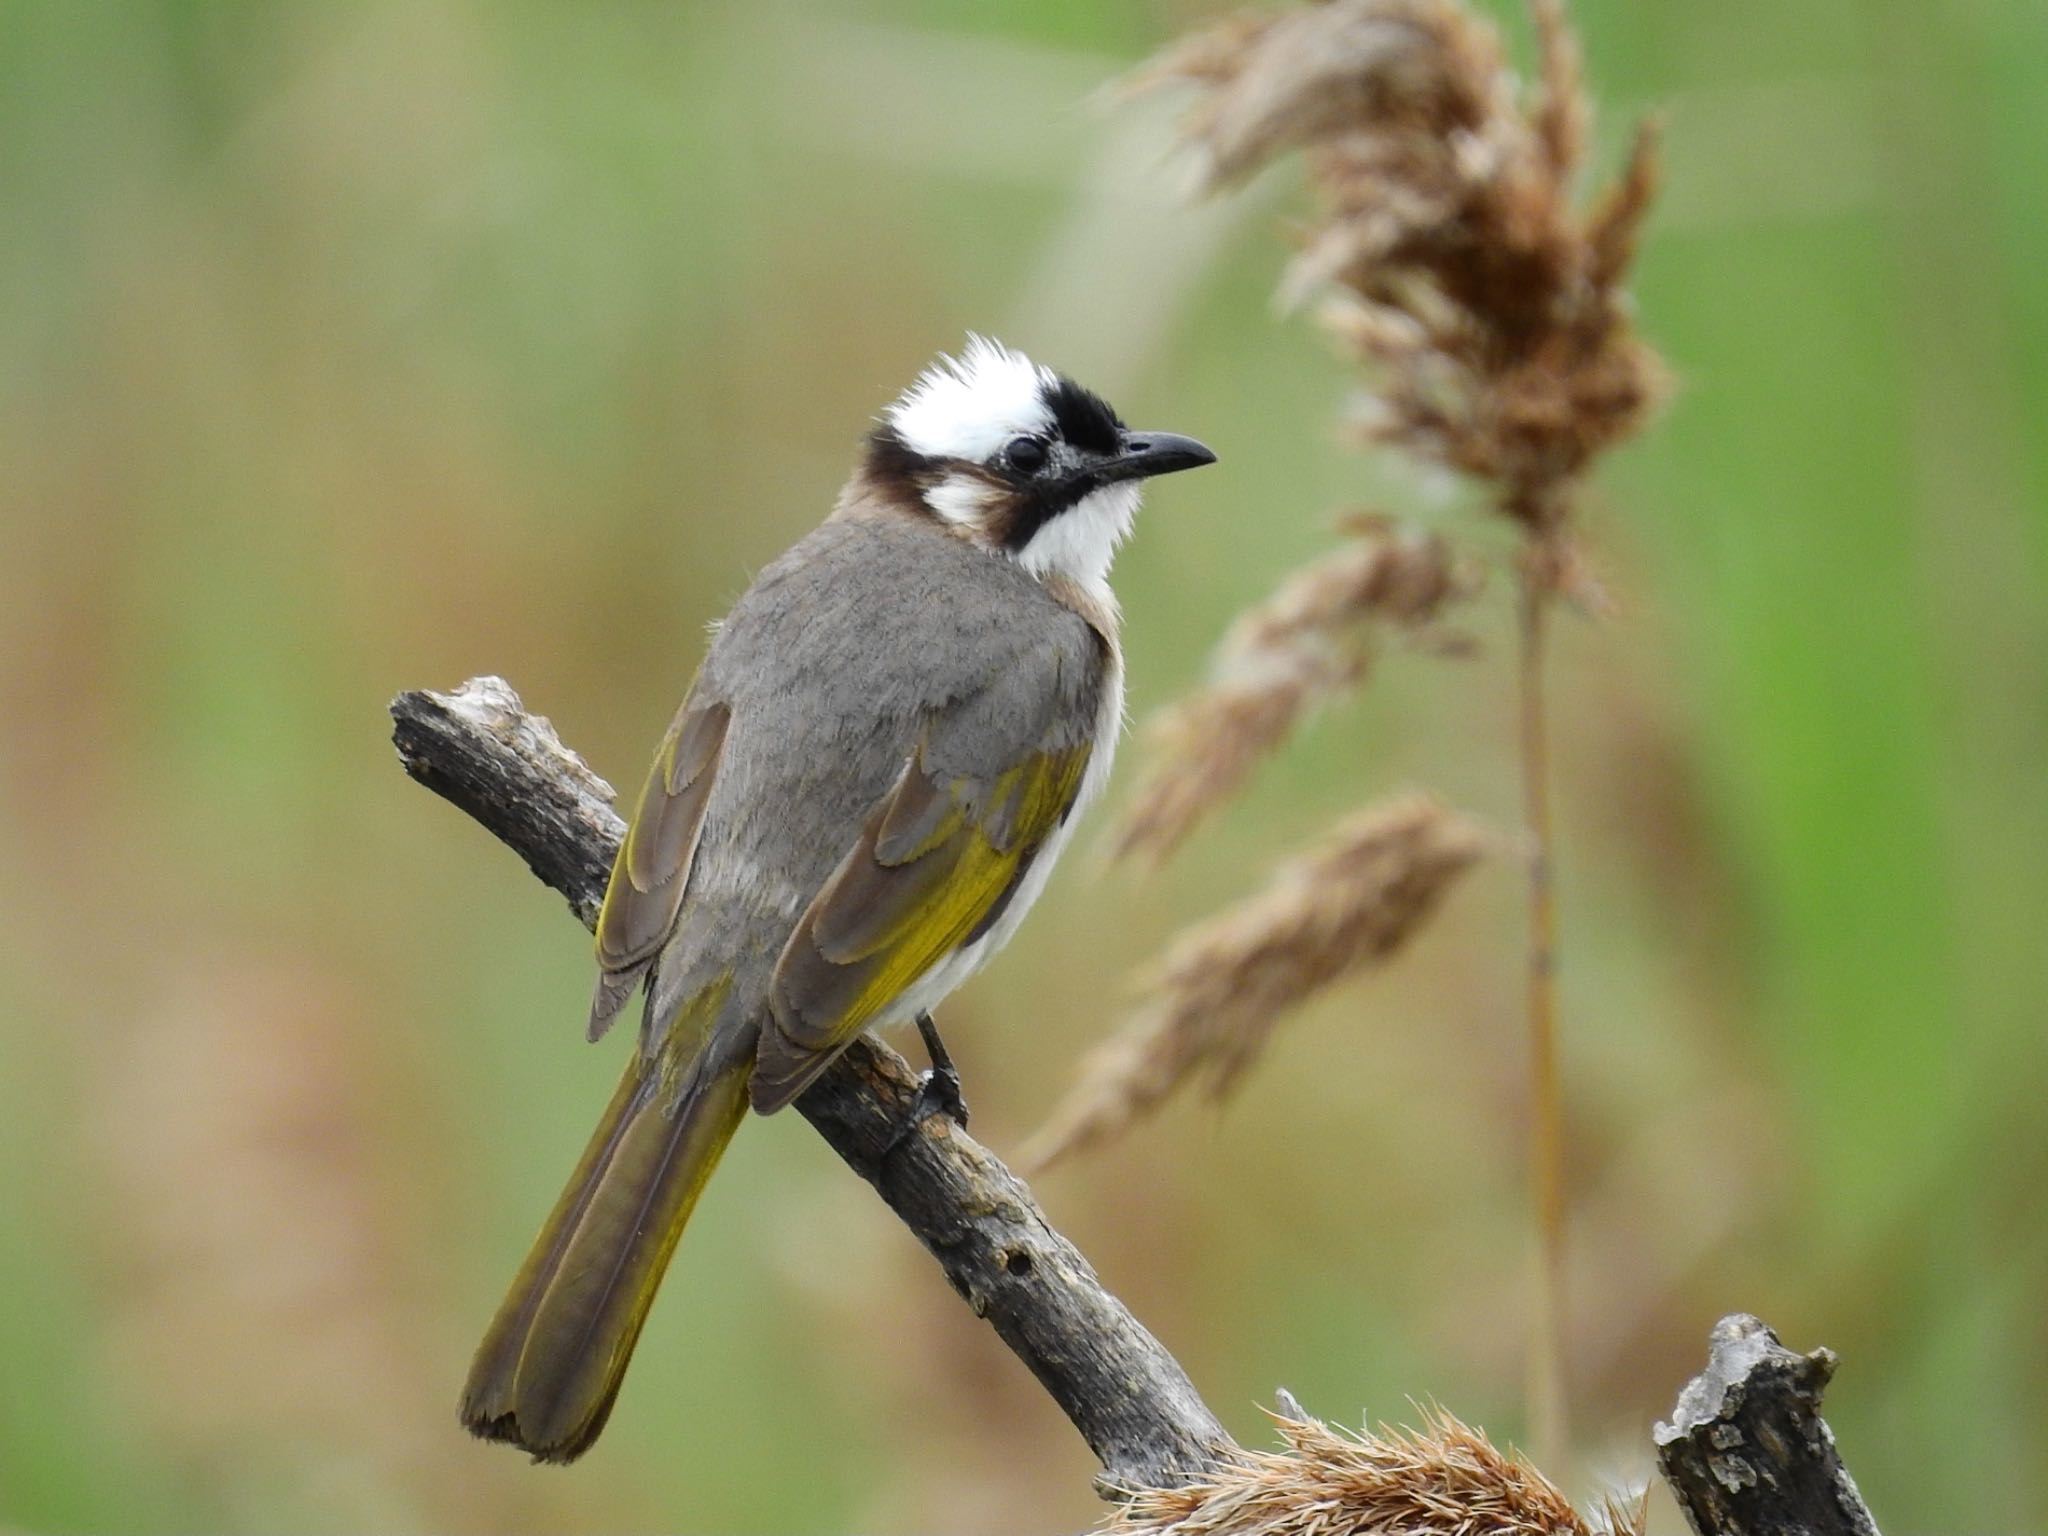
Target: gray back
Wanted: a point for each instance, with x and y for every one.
(834, 664)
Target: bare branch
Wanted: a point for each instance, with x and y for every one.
(1747, 1451)
(1129, 1398)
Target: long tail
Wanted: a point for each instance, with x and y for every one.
(548, 1370)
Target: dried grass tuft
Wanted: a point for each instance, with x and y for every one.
(1449, 253)
(1225, 984)
(1300, 647)
(1443, 1479)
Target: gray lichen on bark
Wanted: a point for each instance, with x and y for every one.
(1746, 1451)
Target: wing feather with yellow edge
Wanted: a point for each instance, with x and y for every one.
(934, 866)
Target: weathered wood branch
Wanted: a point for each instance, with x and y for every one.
(478, 749)
(1747, 1452)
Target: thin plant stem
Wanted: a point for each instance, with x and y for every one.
(1548, 1415)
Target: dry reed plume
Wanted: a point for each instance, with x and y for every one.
(1486, 308)
(1225, 984)
(1444, 1479)
(1450, 256)
(1282, 658)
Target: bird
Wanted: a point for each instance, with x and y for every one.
(885, 749)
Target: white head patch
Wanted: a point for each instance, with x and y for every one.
(968, 407)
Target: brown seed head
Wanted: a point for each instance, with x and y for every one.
(1304, 644)
(1454, 264)
(1225, 984)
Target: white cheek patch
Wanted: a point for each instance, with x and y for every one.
(965, 501)
(968, 407)
(1082, 541)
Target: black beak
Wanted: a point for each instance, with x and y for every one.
(1141, 455)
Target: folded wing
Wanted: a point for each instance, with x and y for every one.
(934, 867)
(653, 868)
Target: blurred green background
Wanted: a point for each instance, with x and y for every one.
(346, 348)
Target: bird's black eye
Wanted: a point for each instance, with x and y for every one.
(1026, 454)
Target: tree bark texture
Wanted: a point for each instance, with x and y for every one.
(1747, 1453)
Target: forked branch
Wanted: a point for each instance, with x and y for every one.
(480, 750)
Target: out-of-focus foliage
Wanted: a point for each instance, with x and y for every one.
(349, 347)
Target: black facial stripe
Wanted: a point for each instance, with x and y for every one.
(1081, 416)
(1084, 421)
(1041, 504)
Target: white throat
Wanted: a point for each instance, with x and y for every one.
(1082, 541)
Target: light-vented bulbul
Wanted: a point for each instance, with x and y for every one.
(885, 750)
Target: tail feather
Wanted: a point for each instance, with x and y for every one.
(550, 1366)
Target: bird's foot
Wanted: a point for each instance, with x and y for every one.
(938, 1093)
(938, 1090)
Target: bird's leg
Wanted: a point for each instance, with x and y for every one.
(938, 1091)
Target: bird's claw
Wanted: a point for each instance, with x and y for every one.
(938, 1093)
(938, 1090)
